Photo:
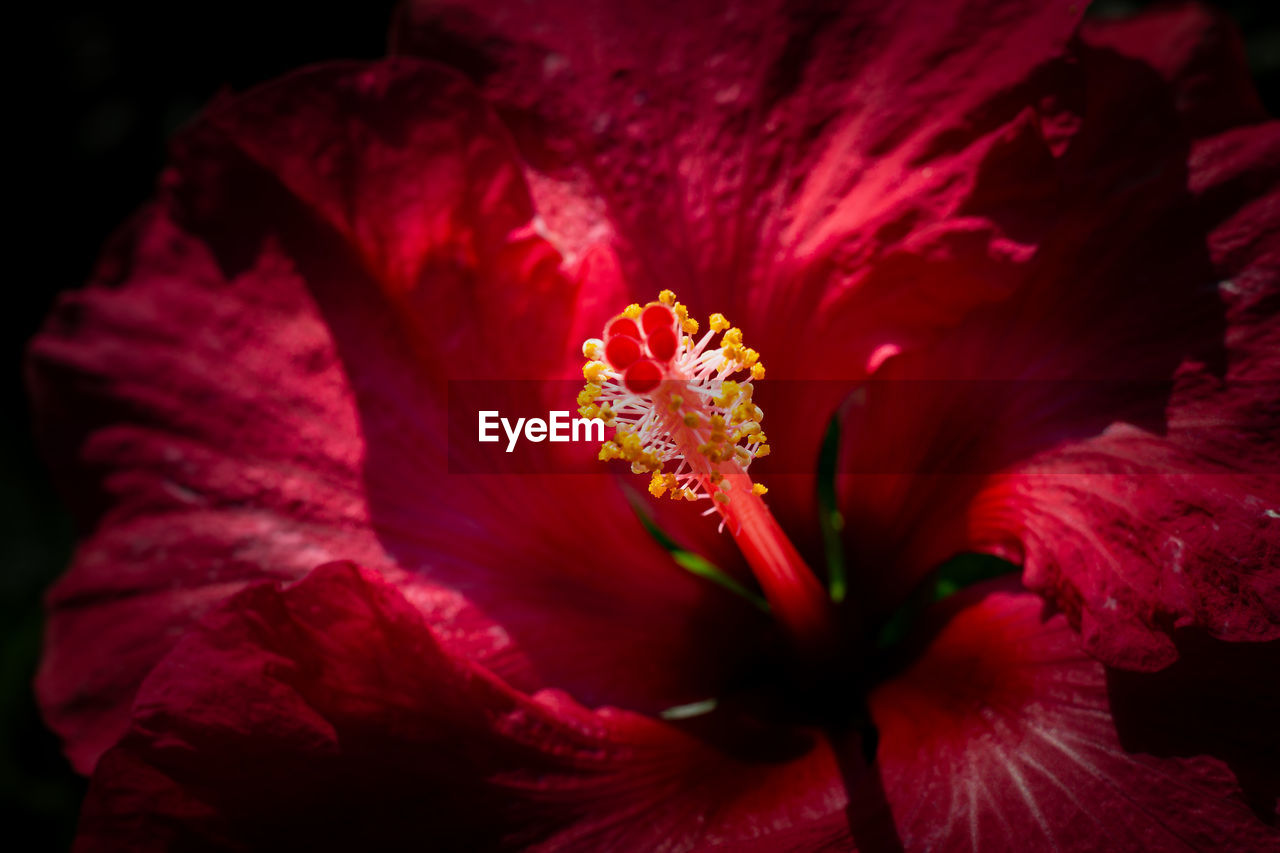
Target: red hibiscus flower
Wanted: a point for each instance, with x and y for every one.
(1052, 249)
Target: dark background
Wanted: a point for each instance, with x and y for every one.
(98, 91)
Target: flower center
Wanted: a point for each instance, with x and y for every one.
(679, 416)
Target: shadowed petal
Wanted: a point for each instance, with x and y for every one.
(1001, 737)
(326, 715)
(256, 381)
(1112, 425)
(811, 170)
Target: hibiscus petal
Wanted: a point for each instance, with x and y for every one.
(1199, 51)
(750, 137)
(203, 429)
(256, 382)
(812, 171)
(1112, 425)
(1001, 736)
(326, 715)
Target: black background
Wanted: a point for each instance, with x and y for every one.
(95, 92)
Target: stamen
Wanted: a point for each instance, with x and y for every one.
(679, 415)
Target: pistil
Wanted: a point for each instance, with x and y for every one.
(680, 415)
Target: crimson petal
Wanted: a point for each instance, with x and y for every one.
(1001, 736)
(255, 382)
(811, 170)
(1112, 424)
(326, 715)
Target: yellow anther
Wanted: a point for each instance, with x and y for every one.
(760, 437)
(722, 497)
(717, 422)
(732, 338)
(609, 450)
(666, 297)
(716, 476)
(762, 451)
(690, 420)
(632, 311)
(630, 445)
(606, 414)
(588, 394)
(591, 348)
(687, 323)
(641, 466)
(593, 372)
(757, 371)
(729, 391)
(657, 485)
(749, 357)
(676, 402)
(758, 489)
(718, 323)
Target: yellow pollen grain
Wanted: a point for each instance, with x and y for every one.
(718, 323)
(762, 451)
(657, 485)
(729, 391)
(676, 402)
(757, 371)
(759, 489)
(691, 420)
(667, 297)
(593, 372)
(689, 326)
(632, 311)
